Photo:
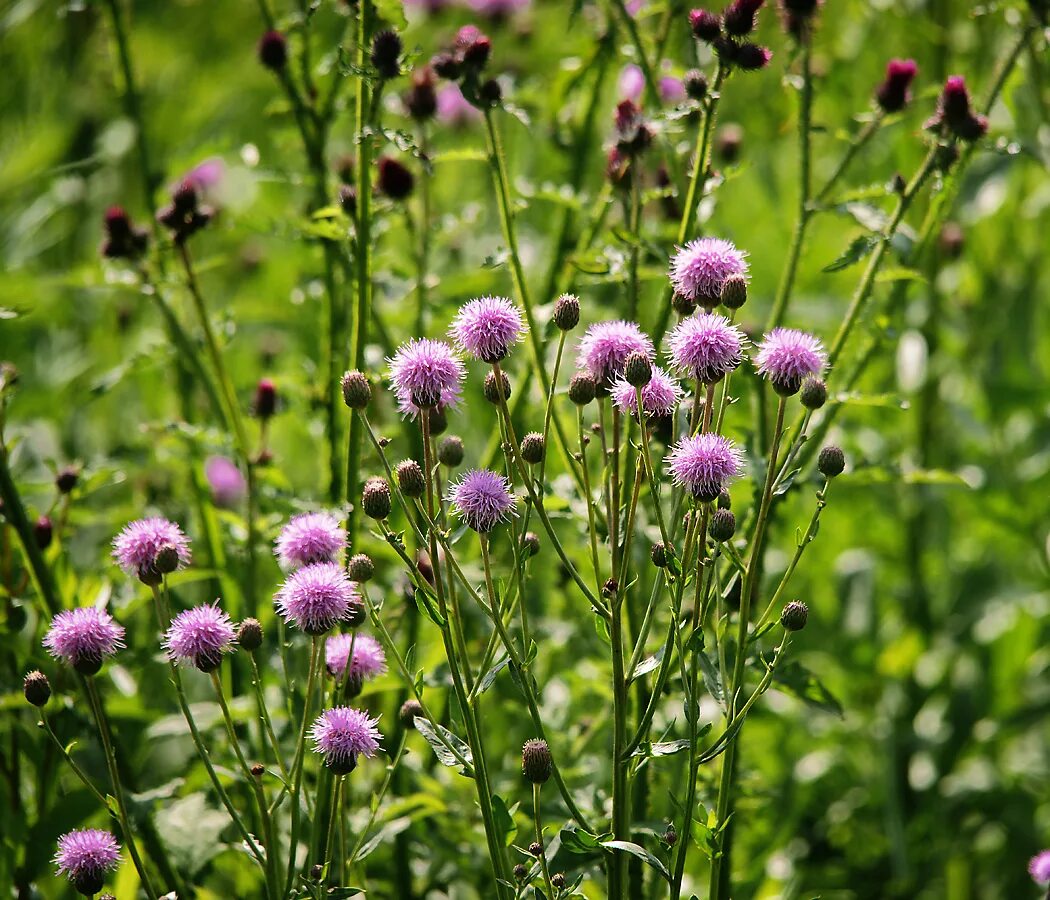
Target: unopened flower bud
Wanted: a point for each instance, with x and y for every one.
(490, 93)
(375, 498)
(738, 18)
(37, 688)
(445, 65)
(734, 291)
(521, 872)
(421, 99)
(494, 389)
(450, 451)
(725, 499)
(360, 568)
(258, 770)
(43, 532)
(695, 83)
(348, 199)
(273, 50)
(658, 554)
(386, 49)
(536, 849)
(610, 587)
(582, 389)
(682, 305)
(410, 711)
(356, 614)
(265, 403)
(705, 25)
(530, 543)
(558, 880)
(814, 393)
(567, 312)
(723, 525)
(536, 761)
(66, 480)
(831, 461)
(533, 448)
(670, 835)
(638, 370)
(250, 634)
(394, 179)
(357, 392)
(795, 616)
(410, 479)
(167, 559)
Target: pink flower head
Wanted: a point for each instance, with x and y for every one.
(200, 636)
(704, 463)
(453, 108)
(136, 548)
(700, 268)
(482, 499)
(954, 113)
(895, 91)
(632, 82)
(82, 637)
(1039, 867)
(426, 374)
(659, 397)
(315, 597)
(671, 89)
(343, 733)
(487, 328)
(225, 480)
(605, 347)
(368, 660)
(85, 856)
(706, 346)
(786, 356)
(310, 538)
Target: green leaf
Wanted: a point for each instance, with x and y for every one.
(899, 273)
(640, 852)
(854, 253)
(648, 664)
(661, 748)
(391, 11)
(425, 605)
(712, 678)
(575, 840)
(504, 820)
(192, 832)
(431, 732)
(796, 680)
(485, 682)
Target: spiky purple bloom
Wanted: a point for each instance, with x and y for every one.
(706, 346)
(659, 397)
(704, 463)
(225, 480)
(426, 374)
(200, 636)
(82, 637)
(487, 328)
(85, 855)
(787, 355)
(482, 499)
(605, 346)
(343, 733)
(700, 268)
(315, 597)
(310, 538)
(368, 660)
(135, 549)
(1039, 867)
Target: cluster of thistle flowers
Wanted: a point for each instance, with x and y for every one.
(317, 595)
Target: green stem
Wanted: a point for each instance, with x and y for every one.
(359, 843)
(539, 839)
(46, 725)
(298, 762)
(264, 714)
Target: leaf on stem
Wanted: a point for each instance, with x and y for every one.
(433, 734)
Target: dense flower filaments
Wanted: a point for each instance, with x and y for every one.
(704, 464)
(85, 856)
(310, 538)
(786, 356)
(150, 548)
(482, 499)
(426, 374)
(706, 346)
(605, 347)
(660, 395)
(83, 637)
(315, 597)
(368, 658)
(200, 636)
(701, 267)
(343, 733)
(1039, 867)
(487, 328)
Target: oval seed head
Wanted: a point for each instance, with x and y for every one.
(410, 479)
(795, 616)
(831, 461)
(536, 761)
(360, 568)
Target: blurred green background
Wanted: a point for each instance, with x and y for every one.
(927, 583)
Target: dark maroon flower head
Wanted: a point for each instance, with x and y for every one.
(265, 403)
(705, 25)
(273, 50)
(632, 132)
(386, 53)
(395, 180)
(445, 65)
(123, 240)
(618, 167)
(184, 216)
(954, 114)
(797, 15)
(738, 18)
(472, 47)
(747, 57)
(421, 99)
(42, 532)
(894, 93)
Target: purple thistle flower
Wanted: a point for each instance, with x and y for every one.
(605, 346)
(487, 328)
(706, 346)
(310, 538)
(704, 463)
(632, 82)
(659, 397)
(786, 356)
(700, 268)
(201, 636)
(225, 480)
(368, 660)
(136, 548)
(343, 733)
(482, 499)
(85, 856)
(82, 637)
(426, 374)
(315, 597)
(1039, 867)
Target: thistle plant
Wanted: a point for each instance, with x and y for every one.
(506, 551)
